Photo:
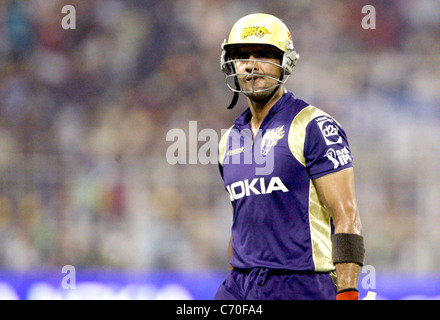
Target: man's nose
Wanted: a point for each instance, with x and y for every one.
(251, 64)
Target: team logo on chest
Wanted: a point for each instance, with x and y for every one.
(270, 139)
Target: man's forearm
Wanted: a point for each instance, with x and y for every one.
(347, 275)
(348, 256)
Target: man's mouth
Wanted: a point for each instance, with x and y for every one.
(253, 77)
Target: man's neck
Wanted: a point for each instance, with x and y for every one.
(260, 109)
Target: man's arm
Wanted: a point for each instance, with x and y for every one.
(337, 193)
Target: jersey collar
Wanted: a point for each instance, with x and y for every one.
(243, 121)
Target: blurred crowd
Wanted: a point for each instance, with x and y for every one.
(84, 115)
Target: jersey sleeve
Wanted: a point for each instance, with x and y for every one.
(222, 149)
(326, 148)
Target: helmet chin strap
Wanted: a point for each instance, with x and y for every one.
(236, 94)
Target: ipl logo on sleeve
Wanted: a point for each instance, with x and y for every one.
(339, 157)
(329, 130)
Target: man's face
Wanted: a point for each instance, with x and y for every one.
(253, 72)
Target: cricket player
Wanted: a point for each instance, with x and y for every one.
(288, 171)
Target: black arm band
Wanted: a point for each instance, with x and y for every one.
(348, 247)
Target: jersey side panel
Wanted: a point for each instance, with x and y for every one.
(222, 146)
(319, 217)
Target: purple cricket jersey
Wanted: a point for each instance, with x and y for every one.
(278, 219)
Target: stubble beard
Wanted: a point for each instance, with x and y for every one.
(259, 94)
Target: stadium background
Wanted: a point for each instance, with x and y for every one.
(84, 114)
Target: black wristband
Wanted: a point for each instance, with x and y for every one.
(348, 247)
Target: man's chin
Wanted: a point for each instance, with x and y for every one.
(259, 95)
